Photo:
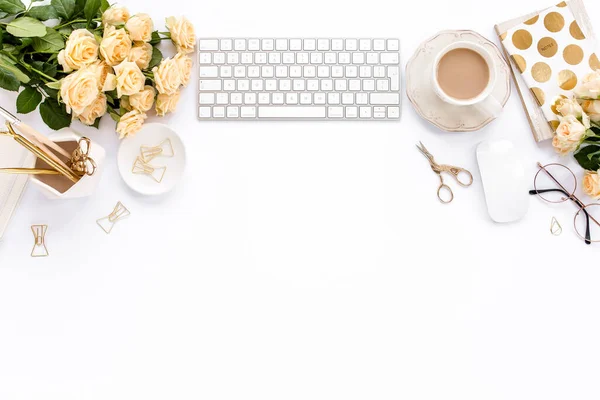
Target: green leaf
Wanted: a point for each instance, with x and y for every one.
(28, 100)
(20, 75)
(91, 9)
(26, 27)
(12, 6)
(155, 38)
(3, 14)
(54, 114)
(79, 6)
(43, 13)
(64, 8)
(51, 92)
(51, 43)
(54, 85)
(8, 80)
(589, 157)
(104, 5)
(50, 69)
(96, 123)
(157, 57)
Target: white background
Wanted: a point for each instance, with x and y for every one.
(304, 260)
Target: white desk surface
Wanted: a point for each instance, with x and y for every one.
(304, 260)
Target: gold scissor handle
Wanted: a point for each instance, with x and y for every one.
(457, 173)
(445, 188)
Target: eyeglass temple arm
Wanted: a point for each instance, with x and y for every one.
(588, 236)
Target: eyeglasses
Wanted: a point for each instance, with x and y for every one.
(555, 183)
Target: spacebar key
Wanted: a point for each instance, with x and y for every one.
(291, 112)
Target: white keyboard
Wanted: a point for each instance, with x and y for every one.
(299, 79)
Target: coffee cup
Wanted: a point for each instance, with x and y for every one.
(464, 74)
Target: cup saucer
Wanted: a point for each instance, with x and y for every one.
(421, 94)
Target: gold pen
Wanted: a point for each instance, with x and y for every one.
(29, 171)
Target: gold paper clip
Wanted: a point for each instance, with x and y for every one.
(164, 149)
(39, 246)
(107, 223)
(555, 227)
(156, 173)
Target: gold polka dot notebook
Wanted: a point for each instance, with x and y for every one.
(552, 54)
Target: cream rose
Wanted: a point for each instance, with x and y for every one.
(182, 34)
(167, 77)
(143, 100)
(115, 15)
(592, 109)
(166, 103)
(79, 89)
(95, 110)
(130, 78)
(130, 123)
(569, 135)
(140, 28)
(141, 54)
(568, 107)
(184, 63)
(81, 49)
(591, 184)
(590, 86)
(115, 45)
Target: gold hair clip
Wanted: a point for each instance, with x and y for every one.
(107, 223)
(164, 149)
(39, 246)
(555, 227)
(156, 173)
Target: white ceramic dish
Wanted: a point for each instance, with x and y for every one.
(152, 135)
(420, 91)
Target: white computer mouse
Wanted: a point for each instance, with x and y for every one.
(504, 181)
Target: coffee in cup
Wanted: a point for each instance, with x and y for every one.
(465, 75)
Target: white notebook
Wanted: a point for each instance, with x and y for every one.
(11, 186)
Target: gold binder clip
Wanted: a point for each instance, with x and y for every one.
(107, 223)
(555, 227)
(39, 246)
(164, 149)
(156, 173)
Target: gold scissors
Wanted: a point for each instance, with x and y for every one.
(455, 172)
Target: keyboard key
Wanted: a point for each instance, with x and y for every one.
(285, 85)
(264, 98)
(233, 58)
(296, 71)
(208, 44)
(274, 58)
(341, 85)
(372, 58)
(239, 71)
(243, 85)
(351, 44)
(305, 98)
(337, 44)
(209, 72)
(358, 58)
(347, 98)
(226, 44)
(379, 71)
(337, 71)
(379, 45)
(267, 71)
(207, 98)
(368, 85)
(310, 71)
(362, 98)
(236, 98)
(218, 112)
(267, 44)
(316, 58)
(296, 44)
(330, 58)
(323, 44)
(382, 85)
(298, 85)
(204, 58)
(291, 98)
(365, 71)
(291, 112)
(364, 44)
(222, 98)
(253, 71)
(210, 85)
(323, 71)
(393, 112)
(204, 112)
(249, 98)
(257, 85)
(229, 84)
(302, 58)
(281, 44)
(351, 112)
(281, 71)
(393, 45)
(351, 71)
(320, 98)
(365, 112)
(379, 112)
(253, 44)
(327, 85)
(312, 84)
(394, 74)
(277, 98)
(310, 44)
(247, 58)
(333, 98)
(390, 58)
(260, 58)
(335, 112)
(385, 98)
(248, 112)
(289, 58)
(344, 58)
(271, 84)
(354, 84)
(239, 44)
(219, 58)
(232, 112)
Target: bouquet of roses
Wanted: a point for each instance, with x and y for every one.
(82, 59)
(579, 130)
